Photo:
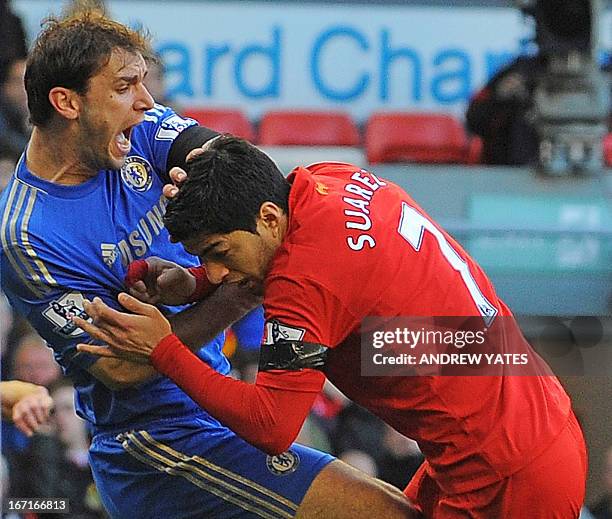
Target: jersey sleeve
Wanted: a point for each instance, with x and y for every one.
(302, 308)
(48, 309)
(157, 133)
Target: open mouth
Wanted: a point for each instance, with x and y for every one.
(122, 140)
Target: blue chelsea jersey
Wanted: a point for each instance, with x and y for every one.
(61, 244)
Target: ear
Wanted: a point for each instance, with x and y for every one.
(66, 102)
(271, 216)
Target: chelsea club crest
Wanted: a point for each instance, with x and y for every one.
(283, 464)
(137, 173)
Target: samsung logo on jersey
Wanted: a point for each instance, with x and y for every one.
(139, 240)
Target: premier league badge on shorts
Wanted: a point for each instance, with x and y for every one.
(283, 464)
(136, 173)
(60, 311)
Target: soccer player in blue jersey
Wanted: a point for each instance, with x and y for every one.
(85, 201)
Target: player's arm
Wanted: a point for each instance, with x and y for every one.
(27, 405)
(12, 391)
(171, 137)
(119, 374)
(158, 281)
(115, 374)
(197, 325)
(202, 322)
(268, 414)
(187, 141)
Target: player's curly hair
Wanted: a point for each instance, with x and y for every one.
(224, 190)
(70, 51)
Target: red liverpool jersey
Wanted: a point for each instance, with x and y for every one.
(359, 246)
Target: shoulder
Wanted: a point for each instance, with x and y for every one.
(20, 212)
(332, 239)
(334, 202)
(163, 123)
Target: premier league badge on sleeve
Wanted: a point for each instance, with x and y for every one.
(61, 310)
(172, 126)
(136, 173)
(277, 331)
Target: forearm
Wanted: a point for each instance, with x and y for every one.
(269, 418)
(203, 321)
(12, 391)
(118, 374)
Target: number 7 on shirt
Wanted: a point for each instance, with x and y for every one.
(412, 227)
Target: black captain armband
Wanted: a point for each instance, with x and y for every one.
(189, 139)
(292, 356)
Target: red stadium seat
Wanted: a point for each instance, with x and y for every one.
(474, 153)
(415, 137)
(303, 128)
(223, 120)
(607, 150)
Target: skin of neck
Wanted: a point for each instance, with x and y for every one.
(53, 156)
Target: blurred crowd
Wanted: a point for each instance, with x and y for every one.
(54, 461)
(14, 125)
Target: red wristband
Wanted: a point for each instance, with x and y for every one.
(137, 270)
(203, 286)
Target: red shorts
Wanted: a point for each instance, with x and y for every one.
(551, 487)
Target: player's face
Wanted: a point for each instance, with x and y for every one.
(238, 256)
(241, 256)
(113, 105)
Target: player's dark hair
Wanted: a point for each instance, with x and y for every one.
(224, 190)
(69, 52)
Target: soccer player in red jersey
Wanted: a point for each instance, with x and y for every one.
(331, 246)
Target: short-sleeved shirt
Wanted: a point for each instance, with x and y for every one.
(61, 244)
(358, 246)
